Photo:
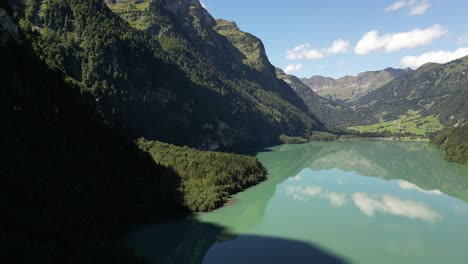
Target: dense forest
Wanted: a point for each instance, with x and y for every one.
(70, 184)
(90, 90)
(166, 79)
(73, 179)
(454, 142)
(207, 178)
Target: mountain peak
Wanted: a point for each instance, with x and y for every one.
(351, 88)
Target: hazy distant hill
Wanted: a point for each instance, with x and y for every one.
(328, 111)
(350, 88)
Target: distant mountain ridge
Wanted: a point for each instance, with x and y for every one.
(438, 91)
(433, 89)
(327, 110)
(350, 88)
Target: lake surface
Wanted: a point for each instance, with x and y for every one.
(339, 202)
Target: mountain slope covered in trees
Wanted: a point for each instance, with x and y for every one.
(327, 110)
(455, 143)
(70, 185)
(182, 81)
(430, 97)
(439, 90)
(167, 76)
(73, 179)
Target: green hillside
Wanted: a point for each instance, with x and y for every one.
(331, 113)
(454, 142)
(432, 90)
(174, 81)
(79, 84)
(411, 122)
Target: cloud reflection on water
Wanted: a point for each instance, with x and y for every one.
(368, 204)
(411, 186)
(301, 193)
(393, 205)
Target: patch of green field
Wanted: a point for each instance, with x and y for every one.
(136, 14)
(412, 123)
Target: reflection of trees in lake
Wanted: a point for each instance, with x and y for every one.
(416, 163)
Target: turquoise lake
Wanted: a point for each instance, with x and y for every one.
(330, 202)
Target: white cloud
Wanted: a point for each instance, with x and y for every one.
(411, 186)
(416, 8)
(303, 193)
(292, 68)
(392, 205)
(400, 4)
(420, 8)
(462, 40)
(304, 51)
(373, 42)
(336, 199)
(338, 46)
(434, 56)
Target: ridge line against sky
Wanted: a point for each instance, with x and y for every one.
(337, 38)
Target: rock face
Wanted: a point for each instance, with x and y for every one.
(350, 88)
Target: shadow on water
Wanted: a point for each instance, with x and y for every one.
(190, 241)
(193, 241)
(259, 249)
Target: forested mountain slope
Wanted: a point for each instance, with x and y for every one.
(70, 185)
(73, 179)
(168, 75)
(328, 111)
(439, 90)
(455, 143)
(433, 96)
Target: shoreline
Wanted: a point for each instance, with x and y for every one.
(396, 139)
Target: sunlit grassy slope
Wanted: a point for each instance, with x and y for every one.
(412, 122)
(133, 13)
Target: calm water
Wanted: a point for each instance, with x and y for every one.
(340, 202)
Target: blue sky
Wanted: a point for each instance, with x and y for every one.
(368, 35)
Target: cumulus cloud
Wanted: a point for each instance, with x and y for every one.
(392, 205)
(400, 4)
(372, 41)
(304, 51)
(434, 56)
(420, 8)
(292, 68)
(411, 186)
(416, 8)
(338, 46)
